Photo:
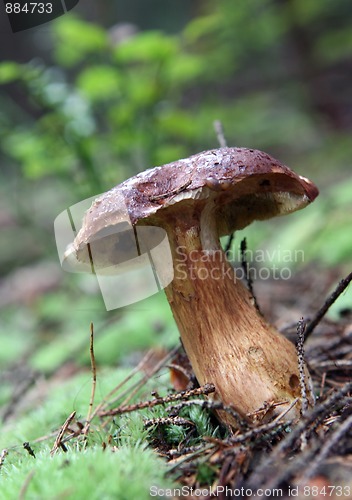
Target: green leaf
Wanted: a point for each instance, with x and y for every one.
(203, 26)
(335, 45)
(308, 12)
(76, 39)
(142, 90)
(9, 71)
(147, 47)
(177, 123)
(99, 82)
(185, 68)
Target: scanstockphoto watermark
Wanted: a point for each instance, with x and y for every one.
(260, 264)
(302, 491)
(186, 491)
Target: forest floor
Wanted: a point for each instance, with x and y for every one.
(311, 457)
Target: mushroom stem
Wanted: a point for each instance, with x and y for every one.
(227, 341)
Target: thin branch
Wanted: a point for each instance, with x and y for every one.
(289, 408)
(177, 462)
(219, 130)
(206, 389)
(209, 405)
(229, 243)
(341, 287)
(168, 421)
(334, 364)
(257, 431)
(285, 471)
(94, 379)
(3, 456)
(133, 372)
(333, 439)
(186, 450)
(314, 415)
(132, 391)
(58, 440)
(247, 273)
(301, 326)
(137, 384)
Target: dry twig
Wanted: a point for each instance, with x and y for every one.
(28, 448)
(325, 450)
(301, 325)
(59, 439)
(219, 130)
(3, 456)
(131, 391)
(167, 421)
(206, 389)
(341, 287)
(315, 415)
(94, 380)
(210, 405)
(246, 270)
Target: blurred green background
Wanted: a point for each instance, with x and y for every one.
(104, 92)
(113, 88)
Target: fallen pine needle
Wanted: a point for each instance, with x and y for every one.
(206, 389)
(58, 440)
(94, 380)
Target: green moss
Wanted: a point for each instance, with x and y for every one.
(126, 473)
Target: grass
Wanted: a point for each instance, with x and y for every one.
(123, 467)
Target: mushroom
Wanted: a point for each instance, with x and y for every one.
(197, 200)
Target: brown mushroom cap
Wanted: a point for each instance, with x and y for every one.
(242, 185)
